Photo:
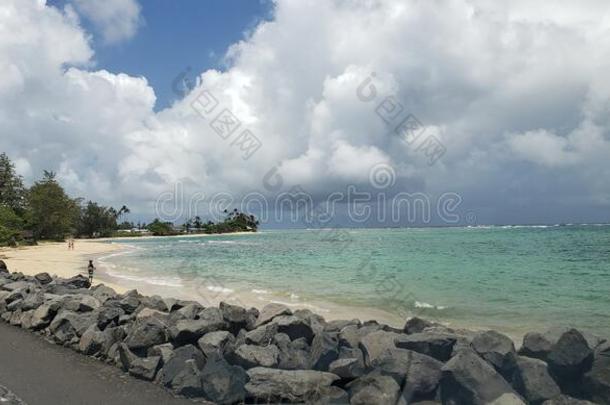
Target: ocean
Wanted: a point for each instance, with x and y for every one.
(510, 278)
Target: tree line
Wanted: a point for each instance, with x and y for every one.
(45, 212)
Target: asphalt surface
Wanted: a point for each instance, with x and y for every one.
(39, 372)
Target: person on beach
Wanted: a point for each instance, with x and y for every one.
(90, 270)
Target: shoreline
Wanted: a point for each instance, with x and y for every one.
(55, 259)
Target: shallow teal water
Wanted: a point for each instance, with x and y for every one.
(517, 278)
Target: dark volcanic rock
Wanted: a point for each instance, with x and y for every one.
(263, 335)
(597, 380)
(146, 333)
(249, 356)
(338, 325)
(433, 344)
(324, 350)
(80, 302)
(294, 327)
(536, 345)
(177, 362)
(215, 342)
(532, 380)
(68, 325)
(92, 340)
(348, 368)
(570, 357)
(78, 281)
(164, 351)
(188, 380)
(145, 368)
(222, 382)
(373, 389)
(294, 354)
(109, 316)
(351, 335)
(497, 349)
(235, 316)
(416, 325)
(189, 331)
(3, 267)
(376, 343)
(272, 385)
(468, 379)
(43, 278)
(270, 311)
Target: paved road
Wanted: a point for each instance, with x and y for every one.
(39, 372)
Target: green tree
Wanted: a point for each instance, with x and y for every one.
(52, 213)
(159, 228)
(11, 226)
(97, 220)
(12, 191)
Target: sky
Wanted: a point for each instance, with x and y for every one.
(496, 111)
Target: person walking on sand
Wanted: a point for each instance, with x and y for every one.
(90, 270)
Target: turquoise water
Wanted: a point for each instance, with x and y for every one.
(509, 278)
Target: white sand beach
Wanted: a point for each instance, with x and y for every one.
(55, 259)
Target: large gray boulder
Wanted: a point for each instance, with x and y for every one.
(347, 368)
(235, 316)
(532, 380)
(43, 278)
(338, 324)
(189, 331)
(145, 368)
(263, 335)
(187, 381)
(270, 311)
(92, 341)
(146, 333)
(80, 302)
(324, 350)
(215, 342)
(416, 325)
(433, 344)
(68, 325)
(468, 379)
(103, 293)
(497, 349)
(164, 351)
(43, 315)
(223, 383)
(294, 354)
(351, 335)
(373, 389)
(295, 327)
(273, 385)
(374, 344)
(177, 362)
(597, 380)
(109, 316)
(249, 356)
(536, 345)
(570, 357)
